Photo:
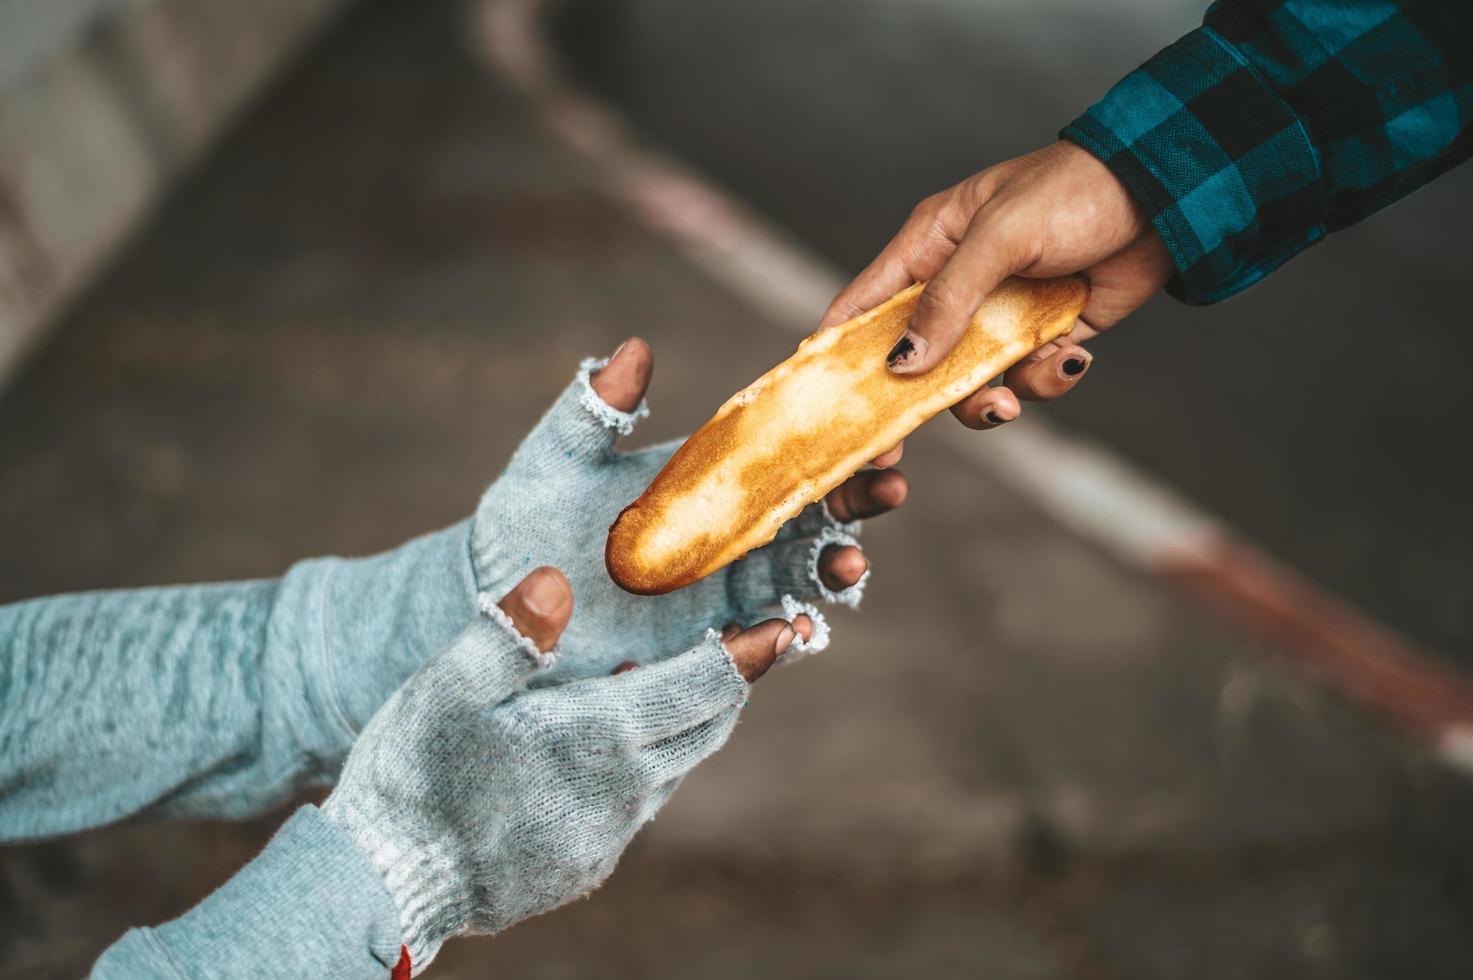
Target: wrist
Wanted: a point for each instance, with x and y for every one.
(431, 901)
(370, 622)
(307, 906)
(1108, 195)
(1230, 183)
(419, 763)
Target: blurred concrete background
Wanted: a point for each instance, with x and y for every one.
(102, 104)
(1020, 760)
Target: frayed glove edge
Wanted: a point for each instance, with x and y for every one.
(799, 647)
(835, 534)
(541, 660)
(610, 416)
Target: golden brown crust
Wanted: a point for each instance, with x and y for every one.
(802, 428)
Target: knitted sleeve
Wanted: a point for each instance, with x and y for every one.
(309, 905)
(211, 700)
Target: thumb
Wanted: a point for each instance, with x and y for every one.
(754, 650)
(623, 381)
(539, 607)
(946, 306)
(494, 656)
(604, 402)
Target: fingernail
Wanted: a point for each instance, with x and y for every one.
(625, 667)
(995, 418)
(1075, 366)
(785, 637)
(618, 350)
(906, 353)
(543, 595)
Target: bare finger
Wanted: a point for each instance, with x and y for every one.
(918, 251)
(1049, 374)
(754, 650)
(890, 457)
(987, 408)
(623, 381)
(866, 494)
(1080, 333)
(986, 256)
(540, 606)
(840, 566)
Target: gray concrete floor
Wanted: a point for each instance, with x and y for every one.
(1020, 760)
(1324, 412)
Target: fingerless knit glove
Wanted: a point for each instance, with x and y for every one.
(553, 506)
(482, 804)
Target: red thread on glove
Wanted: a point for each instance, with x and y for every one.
(402, 968)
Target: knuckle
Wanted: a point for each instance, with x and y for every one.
(938, 242)
(1014, 233)
(939, 300)
(930, 234)
(973, 192)
(927, 210)
(1016, 377)
(1030, 386)
(930, 219)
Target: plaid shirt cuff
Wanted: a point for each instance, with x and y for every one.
(1225, 170)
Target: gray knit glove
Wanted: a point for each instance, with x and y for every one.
(482, 803)
(553, 506)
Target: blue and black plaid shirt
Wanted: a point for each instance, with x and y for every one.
(1279, 121)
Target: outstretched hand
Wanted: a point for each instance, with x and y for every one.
(481, 802)
(1053, 212)
(568, 481)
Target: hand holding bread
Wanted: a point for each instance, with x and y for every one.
(797, 432)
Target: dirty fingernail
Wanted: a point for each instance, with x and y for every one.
(995, 418)
(1074, 366)
(906, 353)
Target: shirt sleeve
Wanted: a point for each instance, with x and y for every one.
(309, 905)
(1279, 121)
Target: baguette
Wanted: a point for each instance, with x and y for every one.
(802, 428)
